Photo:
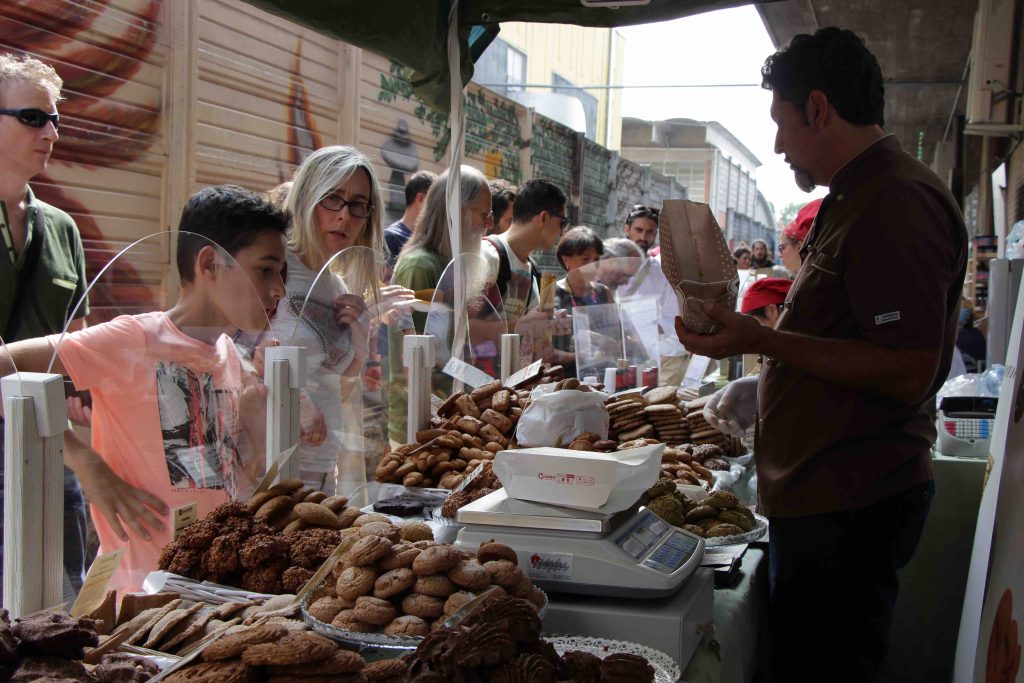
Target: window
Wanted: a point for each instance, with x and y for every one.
(502, 67)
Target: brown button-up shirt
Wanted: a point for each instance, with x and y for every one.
(884, 262)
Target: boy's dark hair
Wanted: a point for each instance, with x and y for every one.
(420, 182)
(503, 193)
(229, 216)
(835, 61)
(577, 241)
(535, 196)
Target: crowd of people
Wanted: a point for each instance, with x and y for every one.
(853, 346)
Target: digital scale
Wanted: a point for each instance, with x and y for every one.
(965, 424)
(632, 553)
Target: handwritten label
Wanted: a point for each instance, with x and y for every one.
(466, 373)
(94, 590)
(274, 469)
(524, 375)
(182, 516)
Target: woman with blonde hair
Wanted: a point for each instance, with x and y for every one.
(335, 204)
(422, 262)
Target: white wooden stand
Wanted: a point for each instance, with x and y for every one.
(509, 356)
(284, 373)
(35, 419)
(419, 353)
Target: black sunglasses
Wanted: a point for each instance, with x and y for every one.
(34, 118)
(643, 210)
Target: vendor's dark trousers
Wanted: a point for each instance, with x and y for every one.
(833, 587)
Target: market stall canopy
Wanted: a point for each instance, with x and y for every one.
(415, 33)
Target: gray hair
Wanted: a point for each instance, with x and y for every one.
(620, 247)
(431, 230)
(318, 176)
(25, 69)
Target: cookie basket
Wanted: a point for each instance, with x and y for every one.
(377, 641)
(759, 530)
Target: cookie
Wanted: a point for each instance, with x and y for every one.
(497, 420)
(166, 633)
(486, 390)
(258, 499)
(383, 529)
(660, 395)
(335, 503)
(470, 574)
(347, 516)
(503, 573)
(234, 644)
(368, 550)
(299, 494)
(346, 619)
(298, 647)
(467, 406)
(370, 517)
(457, 601)
(407, 625)
(447, 407)
(214, 672)
(325, 609)
(316, 514)
(274, 506)
(385, 669)
(438, 585)
(374, 611)
(435, 559)
(340, 662)
(645, 430)
(393, 582)
(490, 434)
(416, 531)
(144, 629)
(492, 550)
(355, 582)
(286, 486)
(400, 555)
(423, 606)
(294, 525)
(501, 401)
(469, 425)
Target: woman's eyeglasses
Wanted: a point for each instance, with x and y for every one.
(783, 245)
(357, 209)
(34, 118)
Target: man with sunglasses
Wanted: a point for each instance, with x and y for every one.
(650, 283)
(538, 221)
(42, 263)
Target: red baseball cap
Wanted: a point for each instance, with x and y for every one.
(766, 292)
(801, 225)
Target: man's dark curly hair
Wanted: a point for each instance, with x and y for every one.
(835, 61)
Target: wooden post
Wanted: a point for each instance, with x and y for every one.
(419, 353)
(285, 375)
(36, 417)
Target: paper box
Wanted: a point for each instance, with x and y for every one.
(608, 482)
(696, 261)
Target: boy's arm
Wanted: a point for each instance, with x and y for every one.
(31, 355)
(116, 500)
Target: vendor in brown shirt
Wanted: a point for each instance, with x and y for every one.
(863, 343)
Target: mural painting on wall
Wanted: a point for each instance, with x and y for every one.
(493, 130)
(98, 132)
(303, 137)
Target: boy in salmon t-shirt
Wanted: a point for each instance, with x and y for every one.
(170, 394)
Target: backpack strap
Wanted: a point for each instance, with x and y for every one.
(504, 265)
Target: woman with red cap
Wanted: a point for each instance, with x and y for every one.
(764, 299)
(793, 235)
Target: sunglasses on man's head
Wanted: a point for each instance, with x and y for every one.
(34, 118)
(639, 210)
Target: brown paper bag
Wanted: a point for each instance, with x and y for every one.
(696, 261)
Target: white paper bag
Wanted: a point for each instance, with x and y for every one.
(555, 418)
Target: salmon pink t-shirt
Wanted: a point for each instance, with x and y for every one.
(165, 419)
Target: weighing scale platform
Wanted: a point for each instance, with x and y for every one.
(674, 625)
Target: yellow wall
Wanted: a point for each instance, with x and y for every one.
(580, 54)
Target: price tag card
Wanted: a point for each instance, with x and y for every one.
(94, 590)
(525, 375)
(695, 372)
(271, 474)
(466, 373)
(181, 517)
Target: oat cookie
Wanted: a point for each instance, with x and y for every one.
(383, 529)
(438, 585)
(416, 531)
(470, 574)
(214, 672)
(407, 625)
(340, 662)
(234, 644)
(504, 573)
(316, 514)
(489, 551)
(423, 606)
(355, 582)
(435, 559)
(393, 582)
(298, 647)
(368, 550)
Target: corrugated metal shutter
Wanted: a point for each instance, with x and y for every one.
(596, 167)
(108, 167)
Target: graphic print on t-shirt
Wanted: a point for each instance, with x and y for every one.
(199, 427)
(320, 319)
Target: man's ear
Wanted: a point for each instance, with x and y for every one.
(817, 110)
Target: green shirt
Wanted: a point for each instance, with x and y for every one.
(56, 284)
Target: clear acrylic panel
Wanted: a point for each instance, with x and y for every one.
(336, 313)
(464, 318)
(173, 366)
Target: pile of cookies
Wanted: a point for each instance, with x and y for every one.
(500, 641)
(657, 414)
(51, 645)
(272, 652)
(469, 429)
(703, 433)
(232, 547)
(291, 506)
(483, 482)
(679, 465)
(720, 514)
(387, 584)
